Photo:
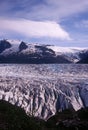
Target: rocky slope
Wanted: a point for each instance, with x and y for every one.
(69, 120)
(20, 52)
(15, 118)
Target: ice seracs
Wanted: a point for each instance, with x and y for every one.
(42, 90)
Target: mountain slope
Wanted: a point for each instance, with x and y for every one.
(21, 52)
(69, 120)
(84, 57)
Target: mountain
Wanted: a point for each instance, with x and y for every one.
(4, 45)
(22, 46)
(12, 51)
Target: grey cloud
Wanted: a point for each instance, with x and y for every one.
(42, 9)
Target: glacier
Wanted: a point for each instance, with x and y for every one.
(43, 89)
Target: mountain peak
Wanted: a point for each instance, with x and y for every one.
(22, 46)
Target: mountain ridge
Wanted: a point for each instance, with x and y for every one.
(12, 51)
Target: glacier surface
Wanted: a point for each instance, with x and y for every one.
(42, 89)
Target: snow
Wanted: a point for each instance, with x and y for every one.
(31, 48)
(13, 49)
(72, 53)
(16, 42)
(65, 49)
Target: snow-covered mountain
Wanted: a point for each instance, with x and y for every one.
(20, 52)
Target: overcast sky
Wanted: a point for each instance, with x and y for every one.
(59, 22)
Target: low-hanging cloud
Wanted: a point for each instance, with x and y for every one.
(36, 29)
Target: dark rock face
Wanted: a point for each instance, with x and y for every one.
(84, 57)
(22, 46)
(84, 60)
(33, 59)
(45, 51)
(4, 45)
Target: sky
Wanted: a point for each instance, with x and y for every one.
(57, 22)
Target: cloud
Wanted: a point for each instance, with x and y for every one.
(56, 10)
(43, 19)
(43, 9)
(34, 29)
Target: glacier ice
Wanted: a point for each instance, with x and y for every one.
(42, 90)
